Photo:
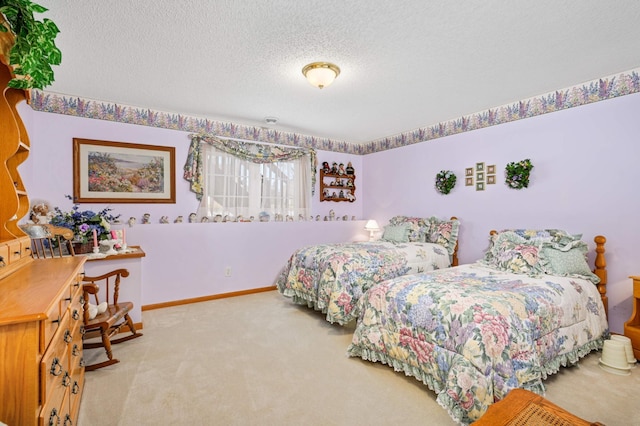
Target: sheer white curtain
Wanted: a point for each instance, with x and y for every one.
(234, 187)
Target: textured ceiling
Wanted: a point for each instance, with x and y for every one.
(405, 64)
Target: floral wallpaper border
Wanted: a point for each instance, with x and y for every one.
(594, 91)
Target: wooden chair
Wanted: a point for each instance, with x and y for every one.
(109, 323)
(48, 241)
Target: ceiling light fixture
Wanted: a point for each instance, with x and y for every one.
(321, 74)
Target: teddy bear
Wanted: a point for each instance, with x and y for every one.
(95, 310)
(40, 213)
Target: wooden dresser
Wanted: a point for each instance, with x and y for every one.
(632, 326)
(41, 360)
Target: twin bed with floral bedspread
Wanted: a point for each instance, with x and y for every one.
(472, 333)
(331, 278)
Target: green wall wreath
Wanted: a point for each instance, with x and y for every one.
(517, 174)
(445, 181)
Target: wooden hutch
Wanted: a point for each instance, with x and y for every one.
(41, 364)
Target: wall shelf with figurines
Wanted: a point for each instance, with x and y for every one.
(337, 182)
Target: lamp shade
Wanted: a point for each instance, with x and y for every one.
(371, 225)
(321, 74)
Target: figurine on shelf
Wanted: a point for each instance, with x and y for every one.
(332, 215)
(341, 195)
(204, 219)
(300, 218)
(193, 218)
(350, 170)
(341, 170)
(325, 167)
(334, 168)
(217, 218)
(349, 196)
(349, 183)
(178, 219)
(326, 193)
(317, 218)
(264, 217)
(146, 219)
(131, 221)
(164, 219)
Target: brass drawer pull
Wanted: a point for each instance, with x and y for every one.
(66, 380)
(56, 367)
(67, 420)
(76, 350)
(54, 418)
(75, 315)
(68, 337)
(76, 388)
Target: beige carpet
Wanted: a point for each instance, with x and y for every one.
(261, 360)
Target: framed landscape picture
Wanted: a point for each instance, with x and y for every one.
(120, 172)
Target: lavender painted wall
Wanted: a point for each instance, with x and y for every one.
(183, 260)
(585, 180)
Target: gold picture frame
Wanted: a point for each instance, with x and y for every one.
(491, 169)
(121, 172)
(479, 186)
(491, 179)
(468, 171)
(479, 167)
(480, 176)
(468, 181)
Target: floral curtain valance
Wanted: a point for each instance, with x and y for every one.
(254, 152)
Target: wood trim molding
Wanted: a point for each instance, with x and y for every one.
(207, 298)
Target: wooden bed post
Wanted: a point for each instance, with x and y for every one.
(600, 270)
(454, 256)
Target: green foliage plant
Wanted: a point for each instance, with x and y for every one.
(34, 50)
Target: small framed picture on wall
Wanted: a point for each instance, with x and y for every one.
(469, 181)
(479, 186)
(479, 167)
(480, 177)
(469, 171)
(491, 179)
(491, 170)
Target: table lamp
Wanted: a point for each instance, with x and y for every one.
(371, 226)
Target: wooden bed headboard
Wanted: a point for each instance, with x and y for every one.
(600, 269)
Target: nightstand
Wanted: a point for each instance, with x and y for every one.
(632, 327)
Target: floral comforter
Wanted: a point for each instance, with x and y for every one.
(332, 277)
(472, 333)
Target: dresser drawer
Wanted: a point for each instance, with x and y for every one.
(55, 376)
(15, 251)
(56, 412)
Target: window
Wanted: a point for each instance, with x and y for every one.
(234, 185)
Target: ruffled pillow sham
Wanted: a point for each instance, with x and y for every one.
(510, 252)
(418, 226)
(444, 233)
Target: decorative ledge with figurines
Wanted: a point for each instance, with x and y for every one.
(337, 182)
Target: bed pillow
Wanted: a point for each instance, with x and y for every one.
(418, 226)
(443, 232)
(396, 233)
(535, 237)
(510, 252)
(569, 260)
